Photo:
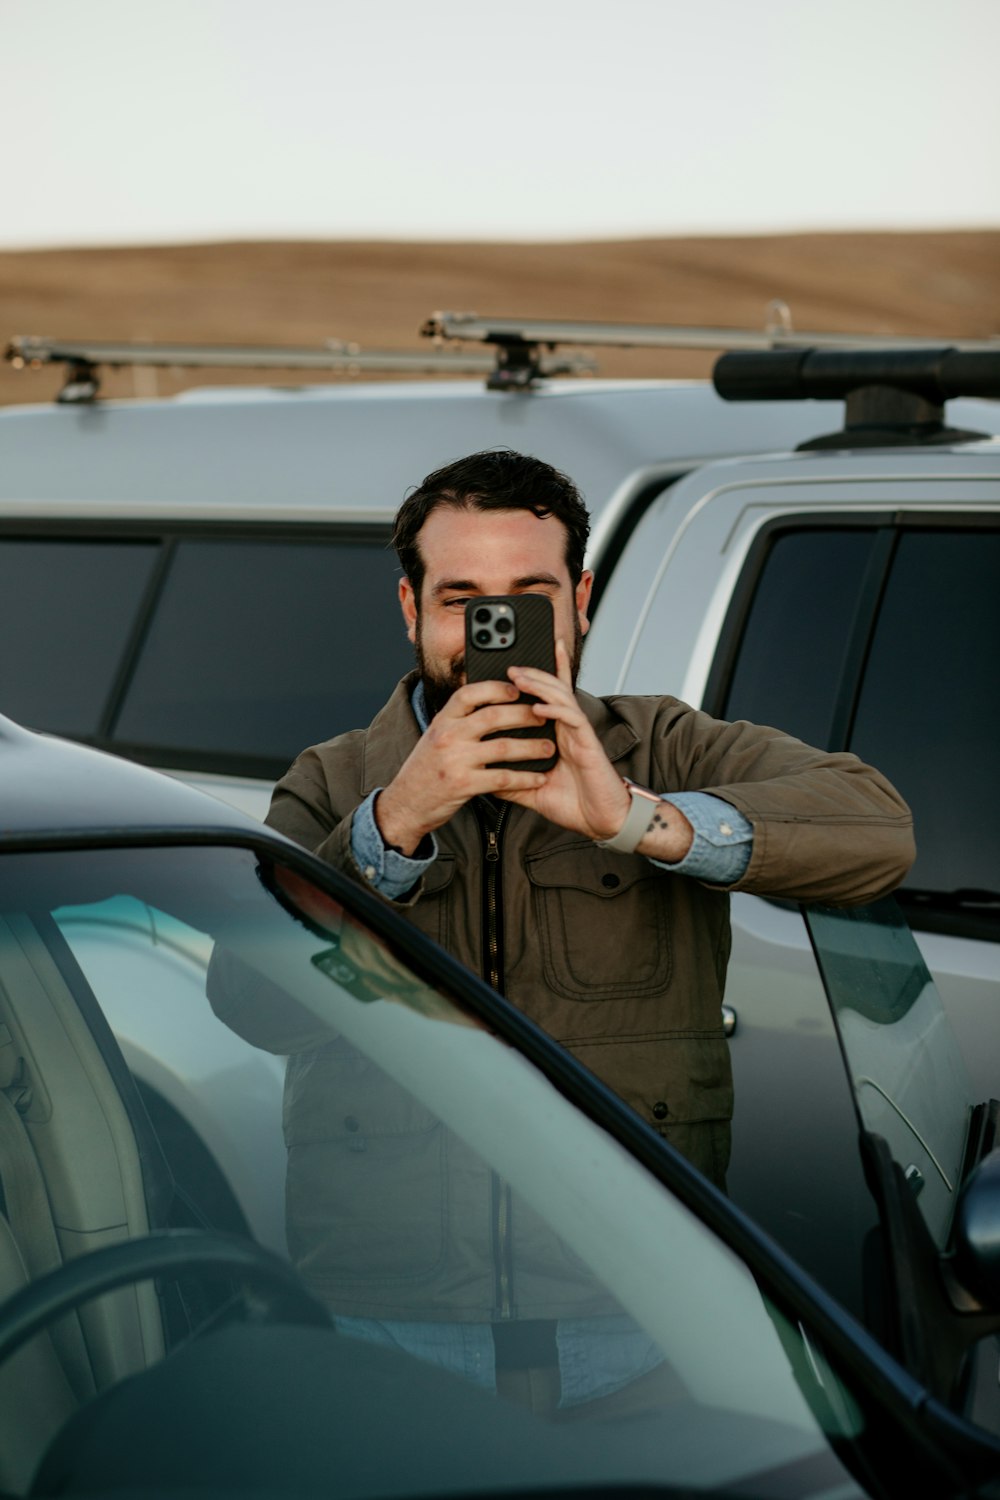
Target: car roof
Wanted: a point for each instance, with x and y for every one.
(353, 452)
(50, 789)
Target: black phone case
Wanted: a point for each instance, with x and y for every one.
(534, 646)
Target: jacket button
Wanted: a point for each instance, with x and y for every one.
(660, 1110)
(350, 1123)
(610, 881)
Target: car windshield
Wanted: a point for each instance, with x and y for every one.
(496, 1265)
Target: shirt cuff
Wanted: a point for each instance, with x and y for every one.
(390, 873)
(723, 839)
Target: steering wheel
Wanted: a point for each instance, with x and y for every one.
(169, 1253)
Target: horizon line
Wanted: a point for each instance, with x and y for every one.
(485, 240)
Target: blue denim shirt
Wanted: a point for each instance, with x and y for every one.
(719, 853)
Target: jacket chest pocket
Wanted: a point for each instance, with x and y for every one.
(602, 922)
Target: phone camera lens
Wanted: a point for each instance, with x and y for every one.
(482, 637)
(482, 616)
(504, 626)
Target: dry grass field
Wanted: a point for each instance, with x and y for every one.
(379, 293)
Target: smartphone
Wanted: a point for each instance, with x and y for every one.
(511, 630)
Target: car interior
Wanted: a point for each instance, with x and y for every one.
(105, 1267)
(72, 1183)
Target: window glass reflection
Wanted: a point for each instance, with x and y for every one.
(444, 1201)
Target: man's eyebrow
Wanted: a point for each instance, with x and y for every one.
(454, 585)
(517, 586)
(531, 580)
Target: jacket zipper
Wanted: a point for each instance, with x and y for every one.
(503, 1270)
(494, 909)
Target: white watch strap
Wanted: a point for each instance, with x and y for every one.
(636, 825)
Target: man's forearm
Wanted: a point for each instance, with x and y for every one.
(669, 837)
(694, 834)
(396, 823)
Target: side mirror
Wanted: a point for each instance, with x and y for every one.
(975, 1258)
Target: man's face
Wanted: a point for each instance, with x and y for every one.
(469, 553)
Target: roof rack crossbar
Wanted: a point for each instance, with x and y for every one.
(511, 334)
(84, 359)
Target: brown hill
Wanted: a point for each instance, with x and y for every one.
(379, 293)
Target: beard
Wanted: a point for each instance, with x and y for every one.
(439, 684)
(441, 681)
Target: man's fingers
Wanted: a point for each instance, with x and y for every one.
(473, 695)
(509, 784)
(501, 716)
(556, 700)
(541, 684)
(569, 714)
(519, 749)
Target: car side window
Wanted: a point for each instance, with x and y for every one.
(68, 608)
(882, 640)
(792, 650)
(260, 647)
(228, 653)
(928, 711)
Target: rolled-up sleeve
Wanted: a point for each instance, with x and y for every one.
(723, 839)
(391, 873)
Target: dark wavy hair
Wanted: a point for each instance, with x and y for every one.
(497, 479)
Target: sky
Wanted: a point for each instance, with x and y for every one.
(143, 121)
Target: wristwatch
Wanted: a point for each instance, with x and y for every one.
(637, 822)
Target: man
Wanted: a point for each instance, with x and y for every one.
(593, 895)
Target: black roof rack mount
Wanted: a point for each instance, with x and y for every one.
(84, 359)
(893, 396)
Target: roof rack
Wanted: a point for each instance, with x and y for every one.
(84, 359)
(519, 341)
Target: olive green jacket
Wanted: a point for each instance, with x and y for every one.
(619, 959)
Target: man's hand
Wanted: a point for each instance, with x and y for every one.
(583, 791)
(451, 763)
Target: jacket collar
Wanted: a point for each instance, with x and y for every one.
(391, 736)
(617, 737)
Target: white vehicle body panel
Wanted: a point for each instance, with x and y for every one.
(658, 629)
